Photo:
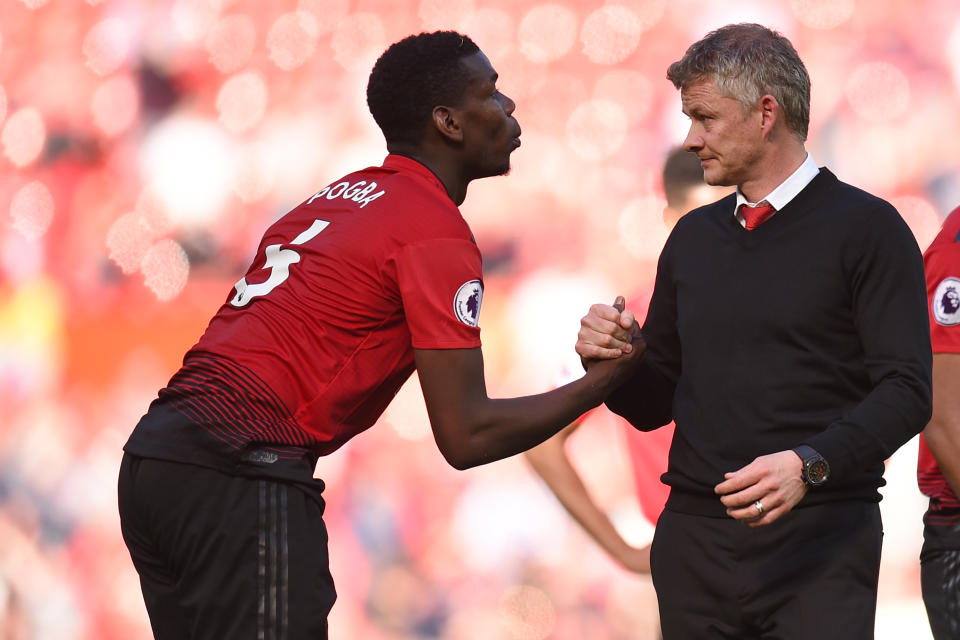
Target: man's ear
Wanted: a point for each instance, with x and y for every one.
(446, 122)
(770, 113)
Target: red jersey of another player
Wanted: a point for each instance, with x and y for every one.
(942, 264)
(649, 451)
(315, 340)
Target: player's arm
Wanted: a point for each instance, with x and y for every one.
(942, 433)
(550, 461)
(472, 429)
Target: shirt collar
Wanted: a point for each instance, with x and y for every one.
(788, 189)
(397, 162)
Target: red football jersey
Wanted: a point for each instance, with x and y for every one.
(315, 340)
(942, 264)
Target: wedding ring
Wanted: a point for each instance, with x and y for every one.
(759, 506)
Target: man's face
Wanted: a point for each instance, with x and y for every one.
(726, 139)
(490, 132)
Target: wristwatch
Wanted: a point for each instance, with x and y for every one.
(815, 471)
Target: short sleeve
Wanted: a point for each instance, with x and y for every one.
(441, 284)
(943, 292)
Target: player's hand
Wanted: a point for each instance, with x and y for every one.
(635, 559)
(607, 375)
(773, 480)
(606, 331)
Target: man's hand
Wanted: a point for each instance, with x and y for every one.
(772, 480)
(606, 331)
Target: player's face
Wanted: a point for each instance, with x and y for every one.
(726, 138)
(490, 132)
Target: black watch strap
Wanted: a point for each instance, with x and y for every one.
(815, 471)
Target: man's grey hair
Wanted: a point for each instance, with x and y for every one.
(748, 61)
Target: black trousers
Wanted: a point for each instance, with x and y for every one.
(940, 582)
(223, 556)
(811, 574)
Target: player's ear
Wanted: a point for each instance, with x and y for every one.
(446, 122)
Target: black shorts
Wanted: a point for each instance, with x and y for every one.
(811, 574)
(223, 556)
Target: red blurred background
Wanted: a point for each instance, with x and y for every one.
(146, 144)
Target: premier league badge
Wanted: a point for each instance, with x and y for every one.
(946, 302)
(466, 304)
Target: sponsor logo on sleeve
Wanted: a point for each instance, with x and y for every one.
(946, 302)
(466, 304)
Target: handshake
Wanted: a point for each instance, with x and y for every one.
(608, 332)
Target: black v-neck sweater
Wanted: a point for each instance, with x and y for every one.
(811, 329)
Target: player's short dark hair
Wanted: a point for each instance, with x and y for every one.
(681, 172)
(747, 61)
(412, 77)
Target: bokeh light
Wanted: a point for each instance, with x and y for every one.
(230, 42)
(597, 129)
(187, 162)
(106, 46)
(951, 51)
(152, 212)
(547, 32)
(358, 40)
(115, 104)
(192, 20)
(242, 101)
(23, 136)
(30, 340)
(128, 240)
(32, 209)
(630, 89)
(34, 4)
(823, 14)
(326, 13)
(878, 91)
(493, 30)
(610, 34)
(165, 269)
(446, 14)
(292, 39)
(648, 12)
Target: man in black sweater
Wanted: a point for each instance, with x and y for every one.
(787, 338)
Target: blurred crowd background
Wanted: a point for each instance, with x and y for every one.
(146, 144)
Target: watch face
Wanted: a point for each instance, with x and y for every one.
(817, 471)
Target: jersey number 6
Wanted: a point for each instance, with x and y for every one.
(278, 261)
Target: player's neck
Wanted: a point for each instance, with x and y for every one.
(451, 176)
